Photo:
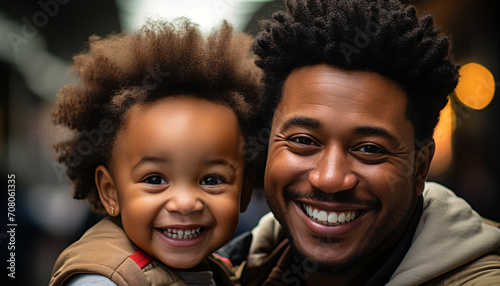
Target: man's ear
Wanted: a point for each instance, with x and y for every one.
(107, 190)
(247, 188)
(422, 164)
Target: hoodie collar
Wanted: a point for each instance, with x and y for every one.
(449, 229)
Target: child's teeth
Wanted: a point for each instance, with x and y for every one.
(181, 233)
(330, 218)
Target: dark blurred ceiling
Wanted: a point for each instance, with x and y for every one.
(70, 25)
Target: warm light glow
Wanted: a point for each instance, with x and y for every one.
(476, 86)
(442, 136)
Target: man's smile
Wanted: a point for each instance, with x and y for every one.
(329, 217)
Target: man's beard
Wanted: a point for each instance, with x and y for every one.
(337, 269)
(358, 258)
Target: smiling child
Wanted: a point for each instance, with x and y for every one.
(162, 120)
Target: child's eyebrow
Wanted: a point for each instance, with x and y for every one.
(147, 159)
(154, 159)
(220, 162)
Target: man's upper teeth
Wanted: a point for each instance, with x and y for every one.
(330, 218)
(178, 233)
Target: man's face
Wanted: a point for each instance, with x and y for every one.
(340, 173)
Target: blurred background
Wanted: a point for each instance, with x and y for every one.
(38, 39)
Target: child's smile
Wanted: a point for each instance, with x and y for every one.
(182, 233)
(177, 173)
(183, 237)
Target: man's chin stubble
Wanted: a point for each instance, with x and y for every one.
(331, 269)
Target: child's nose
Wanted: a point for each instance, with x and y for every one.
(184, 201)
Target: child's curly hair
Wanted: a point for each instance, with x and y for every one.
(162, 59)
(382, 36)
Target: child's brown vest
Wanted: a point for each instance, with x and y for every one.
(106, 250)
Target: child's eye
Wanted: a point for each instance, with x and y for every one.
(213, 180)
(154, 180)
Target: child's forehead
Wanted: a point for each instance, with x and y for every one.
(180, 106)
(195, 123)
(181, 130)
(180, 115)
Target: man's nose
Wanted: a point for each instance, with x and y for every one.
(184, 200)
(332, 172)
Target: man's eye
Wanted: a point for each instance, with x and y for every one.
(373, 149)
(302, 140)
(154, 180)
(213, 180)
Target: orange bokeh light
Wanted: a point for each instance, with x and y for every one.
(476, 86)
(442, 136)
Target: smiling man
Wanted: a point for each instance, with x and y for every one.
(353, 94)
(332, 160)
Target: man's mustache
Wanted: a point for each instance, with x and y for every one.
(343, 197)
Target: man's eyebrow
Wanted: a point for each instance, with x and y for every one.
(301, 121)
(220, 162)
(148, 159)
(377, 131)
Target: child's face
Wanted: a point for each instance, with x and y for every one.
(177, 168)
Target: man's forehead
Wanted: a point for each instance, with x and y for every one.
(323, 96)
(330, 85)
